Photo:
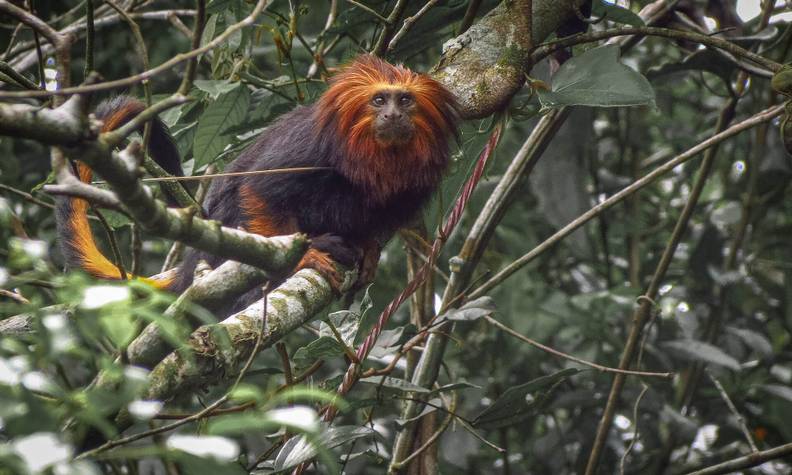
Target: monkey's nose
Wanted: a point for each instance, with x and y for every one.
(393, 116)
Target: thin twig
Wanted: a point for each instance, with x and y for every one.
(148, 74)
(408, 23)
(740, 419)
(759, 118)
(643, 312)
(17, 77)
(431, 440)
(89, 38)
(369, 10)
(284, 355)
(197, 33)
(634, 440)
(548, 48)
(209, 176)
(561, 354)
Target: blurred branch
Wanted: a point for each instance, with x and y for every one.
(548, 48)
(368, 10)
(470, 16)
(145, 75)
(24, 62)
(387, 30)
(23, 81)
(641, 315)
(90, 33)
(60, 42)
(747, 461)
(763, 116)
(197, 34)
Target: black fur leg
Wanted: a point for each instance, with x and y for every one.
(337, 248)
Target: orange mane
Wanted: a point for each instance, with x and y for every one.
(387, 170)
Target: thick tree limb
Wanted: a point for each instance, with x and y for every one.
(65, 126)
(217, 352)
(485, 66)
(210, 291)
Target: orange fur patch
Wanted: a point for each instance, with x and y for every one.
(259, 218)
(80, 235)
(324, 264)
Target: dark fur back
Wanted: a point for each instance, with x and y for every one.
(320, 202)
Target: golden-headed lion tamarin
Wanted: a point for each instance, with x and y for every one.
(381, 135)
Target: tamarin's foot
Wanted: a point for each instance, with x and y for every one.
(325, 254)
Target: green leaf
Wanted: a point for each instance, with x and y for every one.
(209, 30)
(240, 423)
(345, 322)
(206, 466)
(298, 449)
(215, 88)
(227, 111)
(115, 219)
(520, 402)
(473, 310)
(702, 60)
(701, 351)
(394, 383)
(615, 13)
(324, 347)
(389, 341)
(753, 340)
(726, 214)
(596, 78)
(778, 390)
(120, 326)
(454, 387)
(217, 6)
(300, 393)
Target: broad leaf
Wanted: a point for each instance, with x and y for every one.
(615, 13)
(227, 111)
(215, 88)
(454, 387)
(298, 449)
(394, 383)
(324, 347)
(345, 322)
(753, 340)
(520, 402)
(596, 78)
(473, 310)
(778, 390)
(389, 341)
(701, 351)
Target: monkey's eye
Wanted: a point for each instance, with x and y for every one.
(405, 101)
(378, 100)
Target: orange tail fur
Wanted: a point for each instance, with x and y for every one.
(74, 230)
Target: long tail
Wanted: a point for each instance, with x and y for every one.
(74, 231)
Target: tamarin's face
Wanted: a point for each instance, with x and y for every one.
(393, 110)
(376, 108)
